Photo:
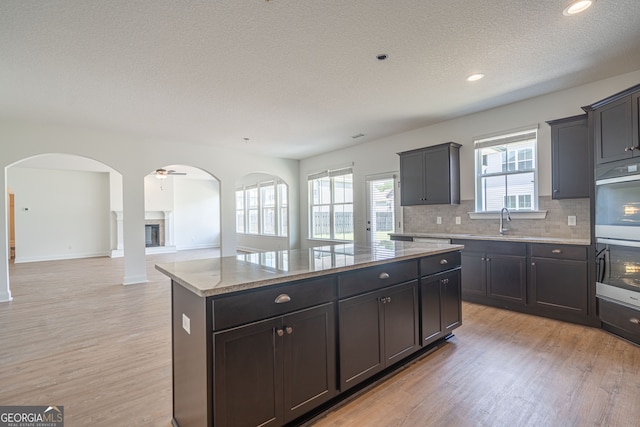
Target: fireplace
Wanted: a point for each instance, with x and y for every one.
(151, 235)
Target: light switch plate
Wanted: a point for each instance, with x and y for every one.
(186, 323)
(458, 220)
(571, 220)
(438, 220)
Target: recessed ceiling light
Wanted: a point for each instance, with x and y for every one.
(474, 77)
(577, 7)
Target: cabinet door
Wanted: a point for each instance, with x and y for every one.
(507, 278)
(431, 308)
(570, 159)
(451, 301)
(613, 127)
(248, 386)
(309, 360)
(361, 351)
(560, 284)
(400, 320)
(437, 176)
(474, 273)
(412, 178)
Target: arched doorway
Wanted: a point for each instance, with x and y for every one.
(182, 210)
(62, 207)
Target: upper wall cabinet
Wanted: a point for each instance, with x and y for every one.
(615, 126)
(431, 175)
(571, 167)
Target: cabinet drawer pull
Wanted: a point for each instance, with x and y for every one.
(556, 251)
(282, 298)
(384, 275)
(635, 321)
(443, 261)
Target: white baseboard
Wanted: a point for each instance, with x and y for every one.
(135, 280)
(159, 250)
(5, 296)
(20, 260)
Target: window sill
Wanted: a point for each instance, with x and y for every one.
(514, 215)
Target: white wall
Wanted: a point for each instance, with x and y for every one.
(196, 213)
(381, 155)
(60, 214)
(158, 194)
(134, 156)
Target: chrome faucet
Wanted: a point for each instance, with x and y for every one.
(502, 229)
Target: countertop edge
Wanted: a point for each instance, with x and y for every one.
(296, 276)
(507, 238)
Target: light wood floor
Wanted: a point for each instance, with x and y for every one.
(74, 336)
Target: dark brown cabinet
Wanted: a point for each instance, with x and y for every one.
(273, 371)
(377, 329)
(430, 175)
(494, 271)
(559, 278)
(615, 125)
(620, 319)
(570, 158)
(440, 304)
(275, 355)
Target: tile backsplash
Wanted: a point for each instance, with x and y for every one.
(423, 219)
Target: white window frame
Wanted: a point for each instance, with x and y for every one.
(331, 204)
(506, 139)
(280, 209)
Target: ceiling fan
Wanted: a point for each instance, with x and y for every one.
(163, 173)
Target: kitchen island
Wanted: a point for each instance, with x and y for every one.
(270, 338)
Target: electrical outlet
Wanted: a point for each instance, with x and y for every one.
(186, 323)
(458, 220)
(571, 220)
(438, 220)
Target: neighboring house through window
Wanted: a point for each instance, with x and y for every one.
(506, 171)
(331, 205)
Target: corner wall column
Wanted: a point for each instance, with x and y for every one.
(135, 266)
(5, 292)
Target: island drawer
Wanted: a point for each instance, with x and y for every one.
(441, 262)
(254, 305)
(621, 317)
(578, 253)
(380, 276)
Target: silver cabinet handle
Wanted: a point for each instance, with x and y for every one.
(282, 298)
(384, 275)
(635, 321)
(289, 330)
(556, 251)
(280, 332)
(443, 261)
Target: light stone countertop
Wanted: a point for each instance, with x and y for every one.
(497, 237)
(217, 276)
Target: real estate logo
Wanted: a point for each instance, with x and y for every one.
(31, 416)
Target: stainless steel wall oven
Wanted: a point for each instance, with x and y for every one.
(617, 232)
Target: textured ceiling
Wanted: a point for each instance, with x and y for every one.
(297, 77)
